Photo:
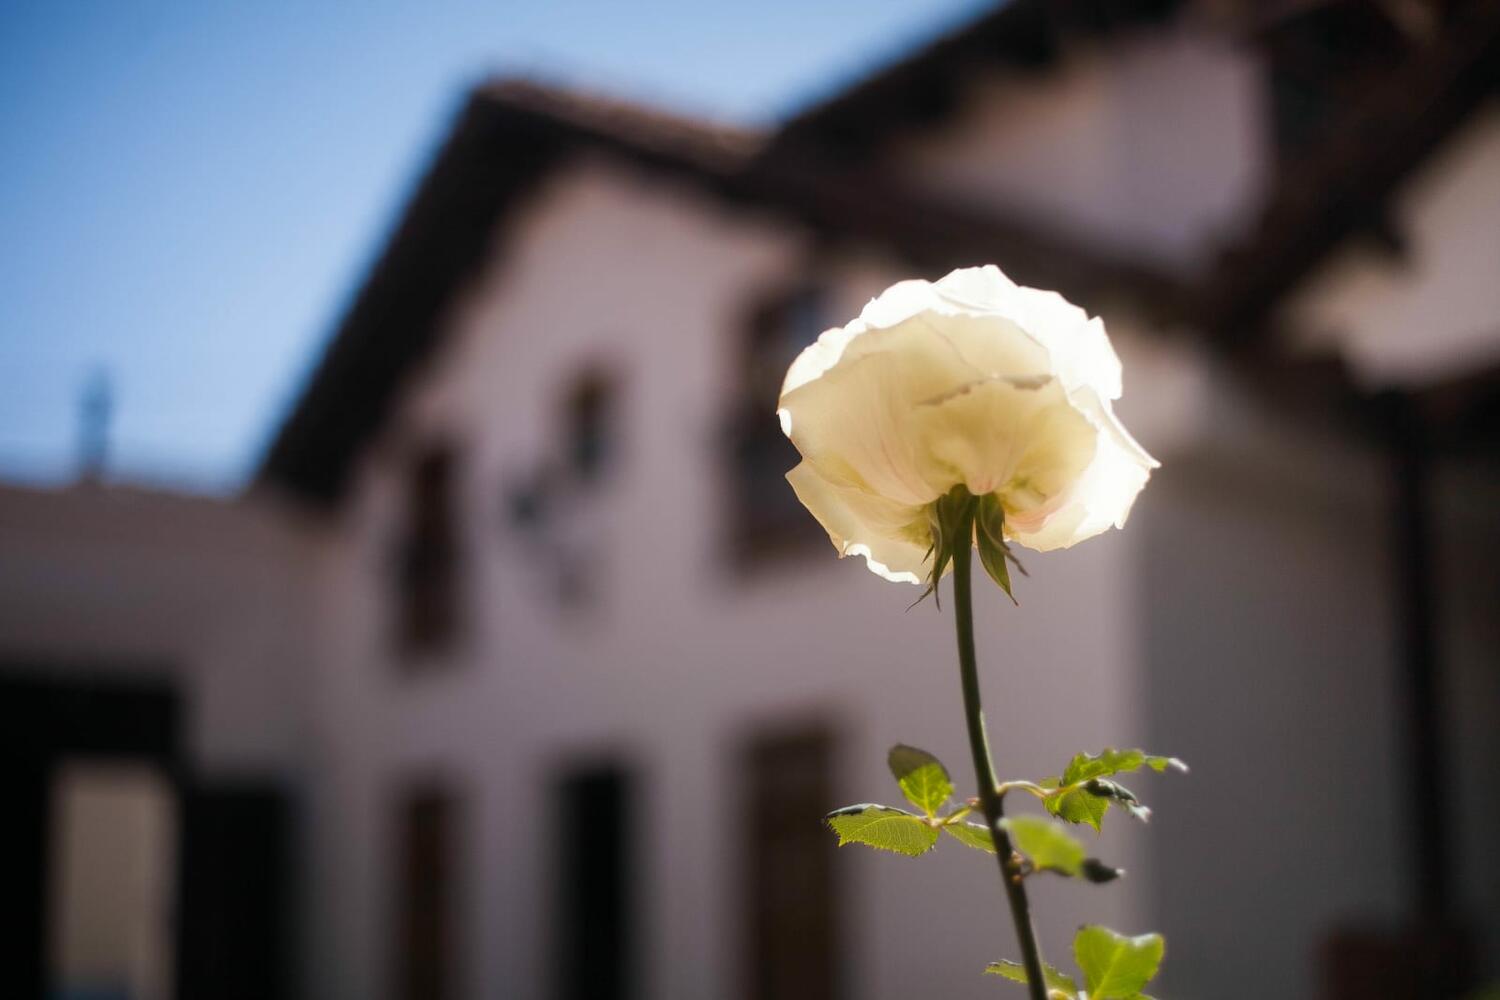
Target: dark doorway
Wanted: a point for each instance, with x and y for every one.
(793, 947)
(45, 727)
(234, 940)
(80, 753)
(426, 945)
(595, 893)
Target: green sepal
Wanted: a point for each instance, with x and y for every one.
(1048, 846)
(993, 561)
(1116, 967)
(922, 777)
(941, 553)
(989, 535)
(945, 519)
(885, 828)
(1059, 983)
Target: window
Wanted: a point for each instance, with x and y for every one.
(793, 947)
(765, 510)
(426, 942)
(590, 419)
(89, 845)
(427, 578)
(114, 868)
(593, 946)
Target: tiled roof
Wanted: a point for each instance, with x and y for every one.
(713, 144)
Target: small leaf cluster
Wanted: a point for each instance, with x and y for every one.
(1082, 794)
(924, 781)
(1085, 790)
(1114, 966)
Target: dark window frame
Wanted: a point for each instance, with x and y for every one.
(427, 871)
(428, 578)
(591, 422)
(766, 521)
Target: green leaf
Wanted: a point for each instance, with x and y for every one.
(1049, 846)
(922, 777)
(1116, 966)
(1013, 971)
(1055, 978)
(1111, 761)
(1077, 805)
(971, 835)
(884, 827)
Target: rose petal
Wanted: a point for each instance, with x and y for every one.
(1008, 435)
(859, 524)
(854, 422)
(1102, 496)
(899, 303)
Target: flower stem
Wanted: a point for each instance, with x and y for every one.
(984, 768)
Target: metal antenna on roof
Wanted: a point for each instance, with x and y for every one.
(96, 407)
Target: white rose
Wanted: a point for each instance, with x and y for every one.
(974, 381)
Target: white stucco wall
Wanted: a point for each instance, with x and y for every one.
(1270, 666)
(682, 656)
(1154, 146)
(1269, 606)
(201, 593)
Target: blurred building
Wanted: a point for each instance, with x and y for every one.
(520, 672)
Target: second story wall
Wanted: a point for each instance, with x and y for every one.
(1154, 144)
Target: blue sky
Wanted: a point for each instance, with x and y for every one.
(190, 192)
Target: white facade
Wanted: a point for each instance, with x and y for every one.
(682, 656)
(1230, 623)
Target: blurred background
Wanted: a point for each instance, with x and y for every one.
(400, 597)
